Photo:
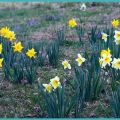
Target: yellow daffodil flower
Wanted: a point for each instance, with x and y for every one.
(104, 37)
(105, 61)
(47, 87)
(116, 63)
(4, 31)
(117, 42)
(80, 60)
(115, 23)
(105, 53)
(72, 23)
(1, 48)
(11, 35)
(31, 53)
(66, 64)
(117, 35)
(105, 58)
(18, 47)
(55, 82)
(1, 61)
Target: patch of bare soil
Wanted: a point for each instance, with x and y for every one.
(42, 35)
(47, 34)
(5, 85)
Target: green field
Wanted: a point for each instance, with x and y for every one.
(38, 24)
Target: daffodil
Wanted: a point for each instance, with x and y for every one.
(4, 31)
(18, 47)
(1, 61)
(83, 7)
(72, 23)
(47, 87)
(1, 48)
(105, 53)
(105, 61)
(66, 64)
(105, 58)
(31, 53)
(115, 23)
(80, 60)
(104, 37)
(117, 42)
(11, 35)
(55, 82)
(116, 63)
(117, 35)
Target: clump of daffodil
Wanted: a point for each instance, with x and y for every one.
(48, 87)
(31, 53)
(117, 37)
(116, 63)
(18, 47)
(1, 61)
(105, 58)
(115, 23)
(104, 36)
(72, 23)
(66, 64)
(1, 48)
(55, 82)
(80, 60)
(5, 32)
